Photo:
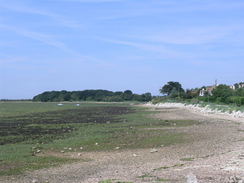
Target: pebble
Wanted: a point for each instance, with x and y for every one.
(235, 179)
(241, 156)
(117, 148)
(79, 154)
(34, 181)
(153, 150)
(81, 148)
(191, 178)
(70, 148)
(135, 155)
(62, 151)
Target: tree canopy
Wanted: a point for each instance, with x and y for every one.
(222, 91)
(172, 89)
(91, 95)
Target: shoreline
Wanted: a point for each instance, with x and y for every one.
(237, 116)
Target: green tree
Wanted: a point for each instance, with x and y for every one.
(137, 97)
(172, 89)
(146, 97)
(192, 93)
(239, 92)
(127, 95)
(222, 92)
(74, 96)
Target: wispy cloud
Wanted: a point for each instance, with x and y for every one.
(188, 35)
(62, 20)
(50, 41)
(7, 59)
(198, 5)
(93, 1)
(148, 8)
(163, 51)
(43, 38)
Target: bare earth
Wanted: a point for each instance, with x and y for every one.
(215, 154)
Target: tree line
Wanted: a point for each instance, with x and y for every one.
(92, 95)
(219, 94)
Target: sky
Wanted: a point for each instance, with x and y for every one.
(118, 45)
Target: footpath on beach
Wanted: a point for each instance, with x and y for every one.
(207, 110)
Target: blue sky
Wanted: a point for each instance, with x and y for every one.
(118, 44)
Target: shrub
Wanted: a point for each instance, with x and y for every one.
(236, 100)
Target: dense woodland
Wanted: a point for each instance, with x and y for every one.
(92, 95)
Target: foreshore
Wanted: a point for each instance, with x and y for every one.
(204, 110)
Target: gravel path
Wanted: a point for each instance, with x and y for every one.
(213, 154)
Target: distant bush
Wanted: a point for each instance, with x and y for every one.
(236, 100)
(158, 100)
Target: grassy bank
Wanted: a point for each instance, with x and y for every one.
(29, 130)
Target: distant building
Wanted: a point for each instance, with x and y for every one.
(237, 85)
(207, 91)
(233, 87)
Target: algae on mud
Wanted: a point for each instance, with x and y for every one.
(95, 127)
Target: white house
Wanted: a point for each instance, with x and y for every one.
(237, 85)
(207, 91)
